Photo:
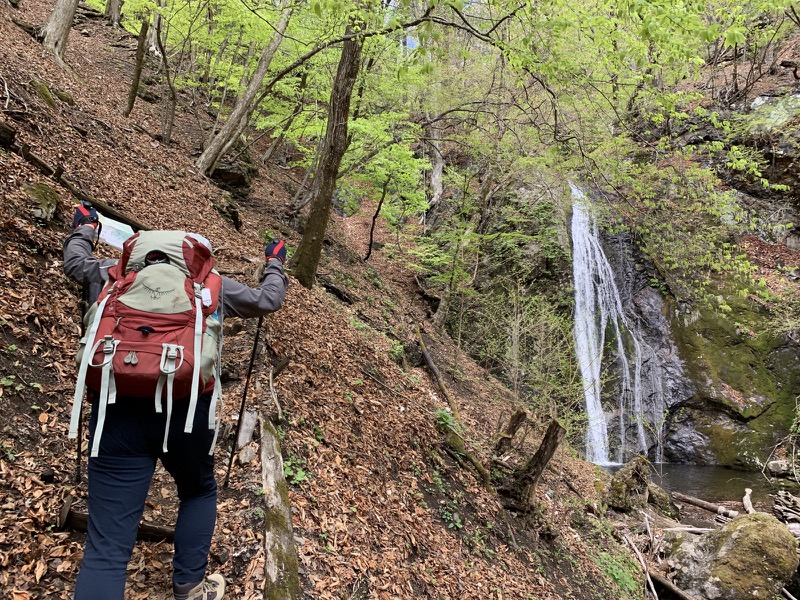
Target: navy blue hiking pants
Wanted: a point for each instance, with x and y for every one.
(119, 479)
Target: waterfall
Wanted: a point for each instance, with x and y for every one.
(634, 422)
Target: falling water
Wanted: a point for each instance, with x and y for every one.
(636, 421)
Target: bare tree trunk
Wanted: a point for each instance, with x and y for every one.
(55, 31)
(437, 169)
(526, 477)
(507, 435)
(155, 31)
(245, 105)
(113, 11)
(306, 258)
(137, 69)
(375, 218)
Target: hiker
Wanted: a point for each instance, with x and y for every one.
(132, 433)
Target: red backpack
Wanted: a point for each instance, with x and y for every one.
(154, 330)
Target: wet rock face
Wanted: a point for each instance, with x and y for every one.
(752, 557)
(662, 364)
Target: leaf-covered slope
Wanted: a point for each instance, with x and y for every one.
(380, 509)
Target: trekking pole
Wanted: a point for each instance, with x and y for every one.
(244, 399)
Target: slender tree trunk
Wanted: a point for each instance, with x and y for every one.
(278, 140)
(55, 31)
(137, 69)
(245, 105)
(375, 218)
(169, 110)
(306, 258)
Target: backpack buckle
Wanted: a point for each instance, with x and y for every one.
(109, 348)
(170, 356)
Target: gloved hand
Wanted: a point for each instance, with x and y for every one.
(85, 214)
(276, 249)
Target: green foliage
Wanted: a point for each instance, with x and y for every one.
(623, 571)
(10, 381)
(451, 516)
(445, 421)
(8, 452)
(294, 470)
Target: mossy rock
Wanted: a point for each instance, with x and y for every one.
(44, 200)
(746, 383)
(64, 97)
(661, 500)
(752, 557)
(44, 92)
(628, 489)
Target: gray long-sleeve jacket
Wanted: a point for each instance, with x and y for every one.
(238, 299)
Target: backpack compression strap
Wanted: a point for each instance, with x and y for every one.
(108, 389)
(80, 387)
(169, 365)
(198, 341)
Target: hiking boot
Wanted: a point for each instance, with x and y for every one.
(211, 588)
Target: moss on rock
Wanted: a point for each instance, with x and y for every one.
(746, 382)
(752, 557)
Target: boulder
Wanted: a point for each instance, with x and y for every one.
(631, 489)
(750, 558)
(628, 489)
(44, 200)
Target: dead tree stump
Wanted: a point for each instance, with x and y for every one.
(524, 479)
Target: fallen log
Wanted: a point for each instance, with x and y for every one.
(7, 140)
(69, 518)
(281, 563)
(437, 376)
(7, 135)
(720, 510)
(698, 530)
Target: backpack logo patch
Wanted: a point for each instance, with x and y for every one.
(157, 293)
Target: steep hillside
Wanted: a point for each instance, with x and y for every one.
(381, 510)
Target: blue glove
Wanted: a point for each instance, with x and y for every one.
(85, 214)
(276, 249)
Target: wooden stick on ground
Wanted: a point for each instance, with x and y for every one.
(673, 589)
(747, 502)
(644, 566)
(79, 520)
(720, 510)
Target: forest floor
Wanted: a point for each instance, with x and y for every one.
(380, 509)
